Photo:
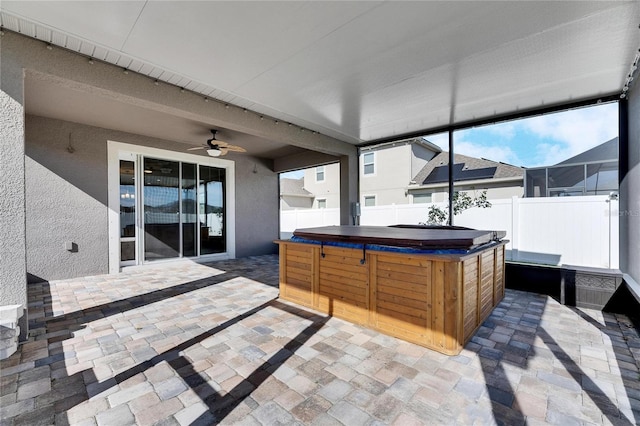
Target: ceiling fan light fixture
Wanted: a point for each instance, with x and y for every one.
(214, 152)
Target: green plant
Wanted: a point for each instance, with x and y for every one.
(461, 202)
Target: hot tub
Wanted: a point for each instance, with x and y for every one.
(430, 286)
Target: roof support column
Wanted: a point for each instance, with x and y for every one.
(348, 186)
(629, 176)
(451, 177)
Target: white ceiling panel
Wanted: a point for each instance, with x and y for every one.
(360, 71)
(103, 22)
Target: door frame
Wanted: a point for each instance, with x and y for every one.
(114, 152)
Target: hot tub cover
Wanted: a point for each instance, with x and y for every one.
(402, 236)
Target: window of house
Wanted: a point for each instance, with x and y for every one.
(368, 161)
(369, 200)
(320, 174)
(322, 203)
(421, 198)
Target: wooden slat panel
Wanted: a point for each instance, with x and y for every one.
(470, 296)
(402, 292)
(418, 313)
(350, 275)
(408, 269)
(293, 276)
(404, 259)
(350, 291)
(405, 300)
(402, 277)
(386, 316)
(292, 264)
(486, 284)
(452, 304)
(499, 276)
(299, 256)
(417, 288)
(437, 313)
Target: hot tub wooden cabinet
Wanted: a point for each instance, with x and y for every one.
(437, 300)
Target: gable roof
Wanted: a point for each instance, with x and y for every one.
(465, 168)
(293, 188)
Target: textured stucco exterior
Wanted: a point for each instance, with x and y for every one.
(66, 198)
(630, 194)
(12, 174)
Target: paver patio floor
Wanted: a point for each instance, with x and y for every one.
(206, 344)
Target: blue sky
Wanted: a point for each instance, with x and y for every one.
(532, 142)
(537, 141)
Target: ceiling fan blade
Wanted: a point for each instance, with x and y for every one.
(197, 147)
(235, 148)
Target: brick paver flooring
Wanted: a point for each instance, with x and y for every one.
(206, 344)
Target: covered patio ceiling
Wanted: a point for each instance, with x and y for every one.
(355, 71)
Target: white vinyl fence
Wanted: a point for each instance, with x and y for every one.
(579, 231)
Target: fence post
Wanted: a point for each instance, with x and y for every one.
(515, 226)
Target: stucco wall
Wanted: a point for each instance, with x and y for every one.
(630, 194)
(13, 279)
(257, 218)
(66, 198)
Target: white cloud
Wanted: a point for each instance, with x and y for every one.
(501, 153)
(578, 130)
(537, 141)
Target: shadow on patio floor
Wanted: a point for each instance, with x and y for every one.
(206, 344)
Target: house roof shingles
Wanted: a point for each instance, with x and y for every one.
(293, 187)
(476, 168)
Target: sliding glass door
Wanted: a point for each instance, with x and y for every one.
(161, 218)
(170, 209)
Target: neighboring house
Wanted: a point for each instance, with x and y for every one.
(324, 183)
(293, 195)
(387, 169)
(593, 172)
(413, 171)
(471, 174)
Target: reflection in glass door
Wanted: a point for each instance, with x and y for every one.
(212, 210)
(161, 209)
(127, 212)
(189, 217)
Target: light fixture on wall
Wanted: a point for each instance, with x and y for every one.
(70, 148)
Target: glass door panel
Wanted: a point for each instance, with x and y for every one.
(127, 212)
(211, 210)
(189, 210)
(161, 209)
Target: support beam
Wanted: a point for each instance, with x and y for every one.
(349, 184)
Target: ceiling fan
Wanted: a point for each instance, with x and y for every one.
(216, 148)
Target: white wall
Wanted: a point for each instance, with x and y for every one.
(579, 231)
